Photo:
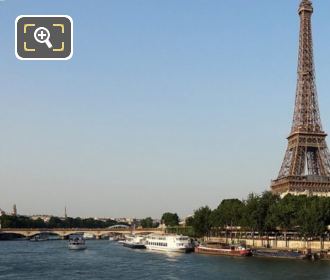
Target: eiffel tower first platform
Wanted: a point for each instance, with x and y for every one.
(306, 166)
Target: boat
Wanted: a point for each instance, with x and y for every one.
(281, 254)
(134, 242)
(39, 237)
(223, 250)
(169, 243)
(77, 243)
(88, 236)
(117, 238)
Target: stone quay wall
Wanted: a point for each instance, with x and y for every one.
(315, 245)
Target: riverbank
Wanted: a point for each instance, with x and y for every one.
(314, 246)
(321, 247)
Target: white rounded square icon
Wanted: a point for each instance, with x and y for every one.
(44, 37)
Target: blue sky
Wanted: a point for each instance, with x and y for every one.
(165, 105)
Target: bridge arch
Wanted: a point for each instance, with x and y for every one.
(119, 227)
(10, 235)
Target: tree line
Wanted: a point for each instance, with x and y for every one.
(265, 213)
(8, 221)
(168, 219)
(308, 216)
(11, 221)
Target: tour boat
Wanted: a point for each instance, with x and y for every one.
(134, 242)
(169, 243)
(77, 243)
(224, 250)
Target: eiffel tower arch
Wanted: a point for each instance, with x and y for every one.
(306, 165)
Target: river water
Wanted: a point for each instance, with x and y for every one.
(52, 260)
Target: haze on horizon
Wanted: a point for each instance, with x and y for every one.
(165, 105)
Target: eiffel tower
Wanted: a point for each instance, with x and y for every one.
(306, 165)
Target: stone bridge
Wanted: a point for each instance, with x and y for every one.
(63, 232)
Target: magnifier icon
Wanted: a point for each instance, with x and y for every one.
(42, 35)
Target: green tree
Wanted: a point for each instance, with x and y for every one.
(55, 222)
(201, 222)
(311, 216)
(38, 223)
(8, 221)
(170, 219)
(147, 222)
(190, 221)
(284, 213)
(259, 212)
(229, 213)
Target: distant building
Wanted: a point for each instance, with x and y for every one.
(125, 220)
(2, 213)
(45, 218)
(184, 221)
(100, 219)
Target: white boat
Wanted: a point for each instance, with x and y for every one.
(77, 243)
(134, 241)
(88, 235)
(169, 243)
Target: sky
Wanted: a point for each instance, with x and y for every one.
(165, 105)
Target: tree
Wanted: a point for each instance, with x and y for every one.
(251, 215)
(201, 222)
(38, 223)
(170, 219)
(284, 213)
(147, 222)
(311, 216)
(229, 213)
(55, 222)
(190, 221)
(10, 221)
(266, 202)
(259, 209)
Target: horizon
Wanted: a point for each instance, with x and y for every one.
(164, 107)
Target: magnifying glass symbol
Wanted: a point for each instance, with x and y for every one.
(42, 35)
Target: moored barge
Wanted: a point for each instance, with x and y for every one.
(281, 254)
(224, 250)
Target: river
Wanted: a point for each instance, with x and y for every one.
(52, 260)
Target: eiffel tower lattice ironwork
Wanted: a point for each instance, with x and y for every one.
(306, 165)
